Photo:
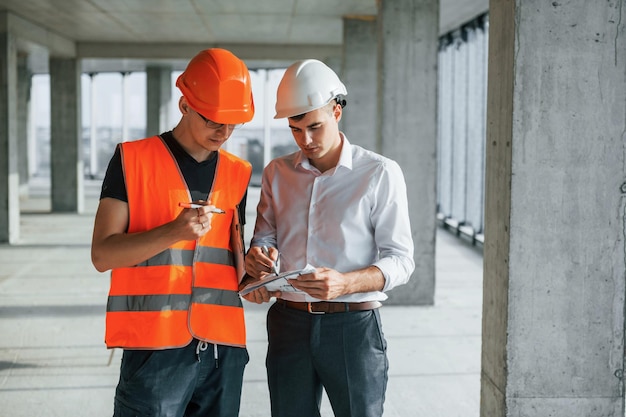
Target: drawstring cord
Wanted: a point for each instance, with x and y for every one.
(202, 346)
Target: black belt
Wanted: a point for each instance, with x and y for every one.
(326, 307)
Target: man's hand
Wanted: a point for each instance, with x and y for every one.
(328, 284)
(113, 247)
(258, 264)
(193, 223)
(261, 295)
(324, 283)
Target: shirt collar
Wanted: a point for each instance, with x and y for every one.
(345, 159)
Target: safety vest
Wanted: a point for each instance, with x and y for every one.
(190, 289)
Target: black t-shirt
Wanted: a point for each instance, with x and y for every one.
(198, 175)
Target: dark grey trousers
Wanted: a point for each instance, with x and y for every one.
(189, 382)
(343, 353)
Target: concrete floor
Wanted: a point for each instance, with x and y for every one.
(53, 361)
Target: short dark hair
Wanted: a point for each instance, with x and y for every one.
(331, 104)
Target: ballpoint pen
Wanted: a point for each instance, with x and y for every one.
(197, 206)
(266, 252)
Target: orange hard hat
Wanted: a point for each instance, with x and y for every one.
(217, 85)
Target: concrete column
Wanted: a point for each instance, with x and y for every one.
(23, 103)
(554, 253)
(360, 77)
(159, 96)
(93, 122)
(407, 111)
(268, 114)
(66, 159)
(124, 106)
(9, 177)
(334, 63)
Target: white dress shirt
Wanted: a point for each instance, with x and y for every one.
(347, 218)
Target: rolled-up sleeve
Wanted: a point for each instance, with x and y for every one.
(392, 226)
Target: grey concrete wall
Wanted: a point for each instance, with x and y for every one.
(494, 371)
(407, 109)
(360, 78)
(9, 177)
(158, 96)
(554, 254)
(66, 162)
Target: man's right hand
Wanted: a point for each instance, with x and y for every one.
(258, 264)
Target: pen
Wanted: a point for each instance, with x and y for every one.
(197, 206)
(266, 252)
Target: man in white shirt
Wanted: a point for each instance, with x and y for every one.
(343, 210)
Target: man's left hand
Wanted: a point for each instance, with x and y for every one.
(323, 284)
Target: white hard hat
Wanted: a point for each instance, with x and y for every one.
(306, 86)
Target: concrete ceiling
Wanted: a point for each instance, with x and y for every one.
(121, 35)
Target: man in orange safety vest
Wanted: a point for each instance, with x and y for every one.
(168, 228)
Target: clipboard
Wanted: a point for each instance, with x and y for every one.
(278, 282)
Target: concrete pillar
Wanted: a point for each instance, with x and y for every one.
(9, 177)
(23, 104)
(407, 124)
(334, 63)
(159, 96)
(93, 123)
(66, 158)
(124, 106)
(360, 78)
(268, 114)
(554, 253)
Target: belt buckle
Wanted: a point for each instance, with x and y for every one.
(308, 308)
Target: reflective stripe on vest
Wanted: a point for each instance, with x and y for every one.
(190, 289)
(185, 257)
(172, 302)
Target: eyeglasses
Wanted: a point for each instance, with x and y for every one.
(216, 126)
